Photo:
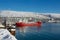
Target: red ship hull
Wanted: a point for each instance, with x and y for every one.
(22, 24)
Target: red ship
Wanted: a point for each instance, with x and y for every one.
(23, 24)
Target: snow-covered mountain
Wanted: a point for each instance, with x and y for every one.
(8, 13)
(53, 15)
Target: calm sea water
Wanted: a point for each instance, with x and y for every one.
(48, 31)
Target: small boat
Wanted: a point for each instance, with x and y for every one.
(5, 35)
(26, 23)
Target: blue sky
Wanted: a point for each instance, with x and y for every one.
(41, 6)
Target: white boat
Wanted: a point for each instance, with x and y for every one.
(5, 35)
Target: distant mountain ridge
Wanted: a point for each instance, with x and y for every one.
(8, 13)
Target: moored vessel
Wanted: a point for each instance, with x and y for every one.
(25, 22)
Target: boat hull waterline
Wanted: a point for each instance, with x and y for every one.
(23, 24)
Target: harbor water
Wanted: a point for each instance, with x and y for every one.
(48, 31)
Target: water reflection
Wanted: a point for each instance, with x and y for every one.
(28, 29)
(48, 31)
